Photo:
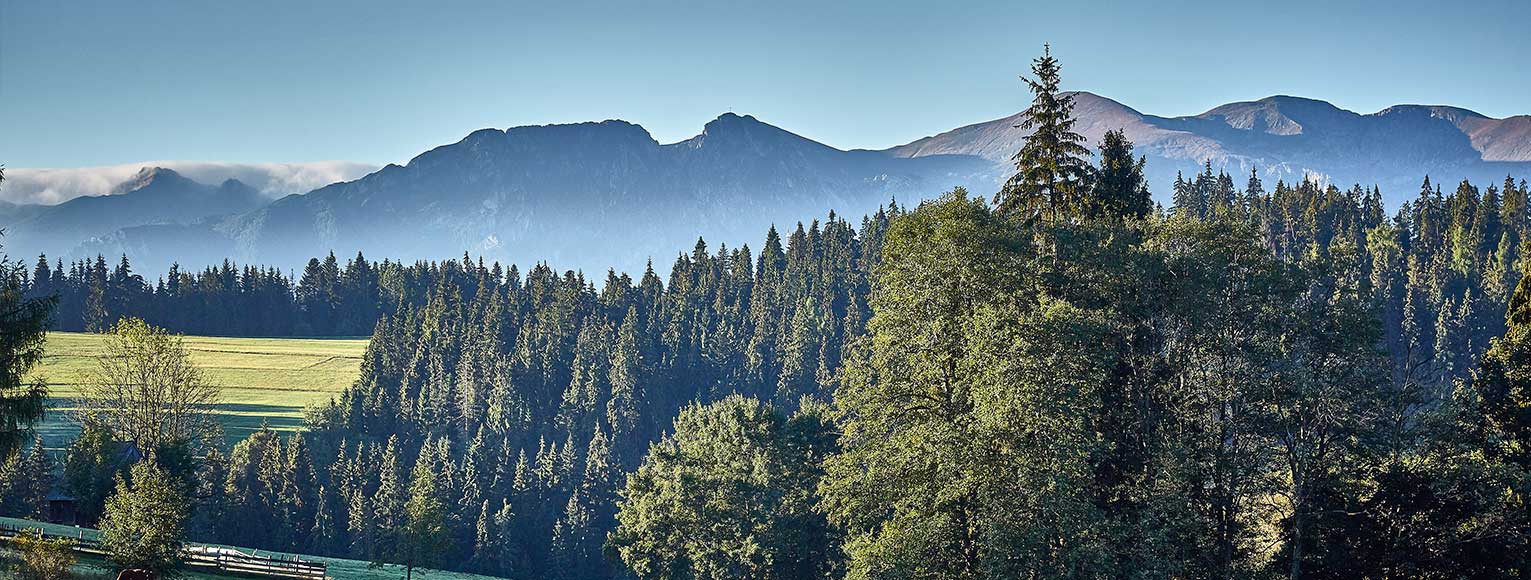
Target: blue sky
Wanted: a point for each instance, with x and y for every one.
(93, 83)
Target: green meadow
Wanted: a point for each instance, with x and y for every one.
(93, 568)
(264, 380)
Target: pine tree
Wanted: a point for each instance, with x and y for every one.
(322, 536)
(573, 555)
(1512, 211)
(298, 495)
(485, 547)
(1053, 175)
(622, 409)
(1254, 190)
(38, 472)
(505, 529)
(96, 317)
(1186, 199)
(25, 479)
(799, 356)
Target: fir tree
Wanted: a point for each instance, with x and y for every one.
(1120, 190)
(1053, 175)
(423, 539)
(361, 527)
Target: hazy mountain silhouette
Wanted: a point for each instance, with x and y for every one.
(155, 196)
(598, 195)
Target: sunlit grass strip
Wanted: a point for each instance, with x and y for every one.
(264, 380)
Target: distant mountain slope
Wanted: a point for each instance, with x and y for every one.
(153, 196)
(1507, 139)
(590, 195)
(12, 212)
(599, 195)
(1285, 138)
(55, 185)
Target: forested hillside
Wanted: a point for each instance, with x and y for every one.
(526, 398)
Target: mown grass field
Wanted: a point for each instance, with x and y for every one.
(267, 380)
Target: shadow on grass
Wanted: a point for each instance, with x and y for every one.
(239, 420)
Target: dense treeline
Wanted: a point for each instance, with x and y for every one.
(1440, 269)
(527, 400)
(224, 300)
(1163, 398)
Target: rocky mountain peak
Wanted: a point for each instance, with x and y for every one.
(157, 177)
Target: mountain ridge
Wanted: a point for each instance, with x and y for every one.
(601, 194)
(153, 196)
(1283, 137)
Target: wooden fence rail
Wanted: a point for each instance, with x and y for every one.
(209, 557)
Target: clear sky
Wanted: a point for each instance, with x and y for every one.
(92, 83)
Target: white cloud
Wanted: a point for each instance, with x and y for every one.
(50, 186)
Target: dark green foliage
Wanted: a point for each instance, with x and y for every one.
(26, 477)
(271, 495)
(423, 538)
(948, 471)
(23, 324)
(1120, 189)
(1500, 390)
(227, 299)
(91, 466)
(1105, 399)
(529, 396)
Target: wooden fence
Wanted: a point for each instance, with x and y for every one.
(216, 558)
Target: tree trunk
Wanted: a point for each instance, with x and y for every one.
(1297, 533)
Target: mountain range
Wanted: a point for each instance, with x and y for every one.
(597, 195)
(1283, 137)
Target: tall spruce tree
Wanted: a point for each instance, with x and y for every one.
(1053, 176)
(423, 539)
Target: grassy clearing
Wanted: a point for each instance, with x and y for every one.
(264, 379)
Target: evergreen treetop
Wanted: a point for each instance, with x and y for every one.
(1053, 176)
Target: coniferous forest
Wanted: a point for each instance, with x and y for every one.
(1061, 380)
